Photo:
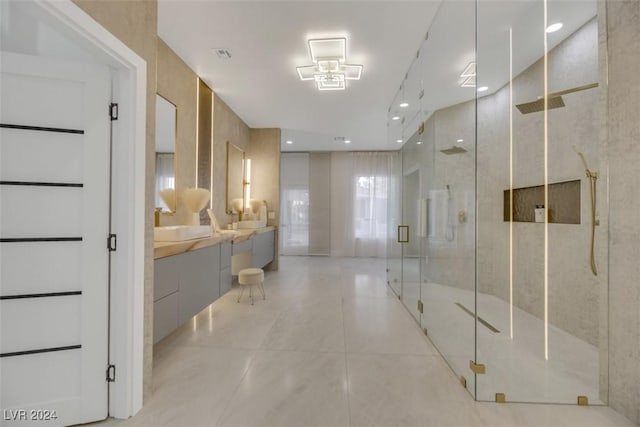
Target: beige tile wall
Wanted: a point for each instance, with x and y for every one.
(573, 290)
(264, 152)
(623, 105)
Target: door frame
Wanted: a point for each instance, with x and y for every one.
(128, 197)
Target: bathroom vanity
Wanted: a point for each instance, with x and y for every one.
(190, 275)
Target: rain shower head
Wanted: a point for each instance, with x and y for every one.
(453, 150)
(554, 100)
(535, 106)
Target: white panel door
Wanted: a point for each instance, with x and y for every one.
(54, 224)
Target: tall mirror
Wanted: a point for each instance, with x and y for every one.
(235, 163)
(165, 151)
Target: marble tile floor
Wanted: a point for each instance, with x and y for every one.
(330, 346)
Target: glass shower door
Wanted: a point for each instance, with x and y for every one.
(394, 247)
(537, 286)
(448, 186)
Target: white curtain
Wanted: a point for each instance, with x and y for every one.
(294, 204)
(359, 221)
(346, 195)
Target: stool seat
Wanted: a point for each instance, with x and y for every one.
(250, 277)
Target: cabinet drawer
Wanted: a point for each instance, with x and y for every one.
(166, 272)
(165, 316)
(199, 281)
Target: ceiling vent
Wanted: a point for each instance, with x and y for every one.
(222, 53)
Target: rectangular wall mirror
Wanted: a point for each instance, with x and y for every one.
(166, 117)
(235, 162)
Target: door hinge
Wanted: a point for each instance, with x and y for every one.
(477, 368)
(113, 111)
(420, 307)
(111, 373)
(112, 242)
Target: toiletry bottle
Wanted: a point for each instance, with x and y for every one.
(539, 213)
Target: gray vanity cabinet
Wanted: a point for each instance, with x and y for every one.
(199, 281)
(225, 268)
(263, 248)
(184, 284)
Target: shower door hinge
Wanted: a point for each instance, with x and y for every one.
(426, 333)
(421, 128)
(420, 307)
(477, 368)
(501, 398)
(111, 373)
(113, 111)
(463, 381)
(583, 401)
(112, 242)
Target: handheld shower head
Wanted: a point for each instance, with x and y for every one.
(584, 162)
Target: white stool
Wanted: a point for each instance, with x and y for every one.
(250, 277)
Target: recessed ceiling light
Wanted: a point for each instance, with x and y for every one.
(460, 140)
(404, 105)
(395, 118)
(347, 141)
(289, 142)
(419, 142)
(398, 141)
(482, 88)
(554, 27)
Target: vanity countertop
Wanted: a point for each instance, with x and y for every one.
(165, 249)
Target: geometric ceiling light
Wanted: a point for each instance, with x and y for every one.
(469, 75)
(329, 70)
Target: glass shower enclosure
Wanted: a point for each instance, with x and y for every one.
(498, 216)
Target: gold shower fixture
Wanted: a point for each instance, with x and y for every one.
(593, 185)
(554, 100)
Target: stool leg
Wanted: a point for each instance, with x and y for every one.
(241, 292)
(251, 293)
(264, 296)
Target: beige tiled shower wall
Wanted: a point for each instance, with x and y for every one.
(623, 105)
(573, 289)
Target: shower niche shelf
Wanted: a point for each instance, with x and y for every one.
(564, 203)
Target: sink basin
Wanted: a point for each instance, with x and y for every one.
(243, 225)
(179, 233)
